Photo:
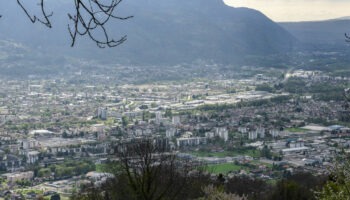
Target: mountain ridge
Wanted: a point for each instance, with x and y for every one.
(320, 34)
(165, 32)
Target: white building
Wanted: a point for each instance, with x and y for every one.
(32, 156)
(29, 144)
(176, 120)
(295, 150)
(222, 133)
(102, 113)
(242, 130)
(138, 132)
(41, 133)
(170, 132)
(261, 132)
(115, 114)
(252, 135)
(209, 134)
(158, 117)
(296, 144)
(275, 133)
(194, 141)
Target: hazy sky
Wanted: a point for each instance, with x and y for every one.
(297, 10)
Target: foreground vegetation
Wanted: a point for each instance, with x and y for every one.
(170, 179)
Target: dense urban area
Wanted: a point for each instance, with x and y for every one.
(58, 133)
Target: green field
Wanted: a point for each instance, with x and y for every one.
(101, 168)
(272, 182)
(231, 167)
(252, 153)
(223, 168)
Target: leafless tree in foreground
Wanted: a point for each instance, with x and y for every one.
(147, 170)
(90, 18)
(152, 170)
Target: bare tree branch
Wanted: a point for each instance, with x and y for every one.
(347, 37)
(34, 18)
(93, 17)
(89, 19)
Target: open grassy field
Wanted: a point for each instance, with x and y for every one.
(272, 182)
(252, 153)
(101, 168)
(223, 168)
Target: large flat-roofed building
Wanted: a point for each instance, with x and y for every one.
(295, 150)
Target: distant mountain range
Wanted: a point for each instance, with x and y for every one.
(162, 32)
(320, 34)
(169, 32)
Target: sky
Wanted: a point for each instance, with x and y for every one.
(297, 10)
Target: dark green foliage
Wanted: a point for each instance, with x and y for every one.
(168, 113)
(143, 107)
(266, 152)
(24, 182)
(68, 169)
(55, 197)
(290, 190)
(254, 188)
(338, 183)
(125, 121)
(294, 85)
(299, 186)
(44, 172)
(262, 102)
(321, 91)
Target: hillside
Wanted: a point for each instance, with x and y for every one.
(182, 31)
(320, 34)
